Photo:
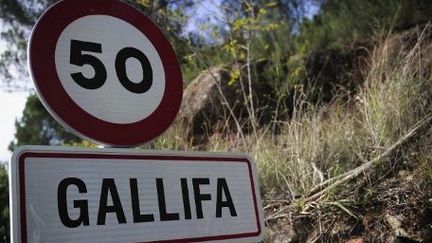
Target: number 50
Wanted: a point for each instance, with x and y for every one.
(79, 59)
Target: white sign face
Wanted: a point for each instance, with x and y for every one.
(93, 40)
(116, 195)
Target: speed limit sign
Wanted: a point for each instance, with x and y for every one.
(105, 71)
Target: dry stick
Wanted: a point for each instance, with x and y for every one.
(316, 192)
(321, 185)
(276, 217)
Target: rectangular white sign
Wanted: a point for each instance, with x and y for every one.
(61, 194)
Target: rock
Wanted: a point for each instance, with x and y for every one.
(205, 111)
(202, 105)
(402, 239)
(403, 173)
(393, 221)
(399, 235)
(281, 231)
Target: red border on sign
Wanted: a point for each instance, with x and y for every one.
(22, 192)
(42, 47)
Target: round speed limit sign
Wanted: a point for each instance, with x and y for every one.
(105, 71)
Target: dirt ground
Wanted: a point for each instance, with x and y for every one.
(398, 209)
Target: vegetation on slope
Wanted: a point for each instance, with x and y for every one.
(331, 162)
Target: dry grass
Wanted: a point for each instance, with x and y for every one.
(320, 142)
(323, 141)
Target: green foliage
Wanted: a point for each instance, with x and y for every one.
(4, 205)
(342, 21)
(18, 17)
(37, 127)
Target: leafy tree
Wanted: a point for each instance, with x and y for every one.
(37, 127)
(18, 17)
(4, 205)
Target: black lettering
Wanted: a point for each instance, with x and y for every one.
(79, 59)
(222, 188)
(138, 217)
(198, 196)
(120, 66)
(164, 216)
(186, 201)
(109, 186)
(81, 204)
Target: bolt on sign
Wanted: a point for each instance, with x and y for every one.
(64, 194)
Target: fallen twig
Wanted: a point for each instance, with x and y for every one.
(320, 189)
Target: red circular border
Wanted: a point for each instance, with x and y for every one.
(42, 46)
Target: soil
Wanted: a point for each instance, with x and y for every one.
(399, 209)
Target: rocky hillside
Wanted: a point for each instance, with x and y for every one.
(343, 155)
